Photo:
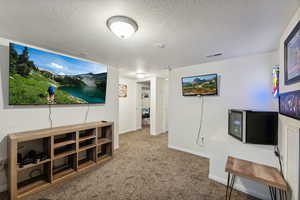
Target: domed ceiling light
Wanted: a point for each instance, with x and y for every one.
(123, 27)
(140, 75)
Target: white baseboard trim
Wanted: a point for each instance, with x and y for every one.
(240, 187)
(156, 134)
(127, 131)
(3, 188)
(188, 151)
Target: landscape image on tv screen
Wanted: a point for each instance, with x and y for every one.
(39, 77)
(200, 85)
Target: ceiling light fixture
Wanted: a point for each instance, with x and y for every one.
(123, 27)
(140, 75)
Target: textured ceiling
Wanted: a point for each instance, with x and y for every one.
(190, 29)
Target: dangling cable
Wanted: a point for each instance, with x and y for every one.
(87, 113)
(201, 121)
(278, 155)
(50, 116)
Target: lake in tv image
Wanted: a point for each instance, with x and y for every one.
(200, 85)
(39, 77)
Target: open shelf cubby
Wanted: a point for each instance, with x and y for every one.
(64, 151)
(32, 178)
(86, 158)
(87, 133)
(64, 139)
(33, 153)
(38, 159)
(104, 135)
(104, 152)
(86, 144)
(64, 166)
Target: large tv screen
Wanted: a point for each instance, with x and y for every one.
(39, 77)
(200, 85)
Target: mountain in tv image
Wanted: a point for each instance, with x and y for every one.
(39, 77)
(200, 85)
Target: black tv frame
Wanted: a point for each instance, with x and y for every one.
(193, 95)
(242, 124)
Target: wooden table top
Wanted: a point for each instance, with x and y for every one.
(256, 172)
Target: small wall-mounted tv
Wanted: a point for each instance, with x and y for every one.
(39, 77)
(200, 85)
(289, 104)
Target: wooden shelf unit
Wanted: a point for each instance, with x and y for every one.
(70, 150)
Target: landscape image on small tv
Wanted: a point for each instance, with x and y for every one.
(39, 77)
(200, 85)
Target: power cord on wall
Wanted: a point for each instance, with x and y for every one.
(278, 155)
(50, 116)
(87, 113)
(199, 135)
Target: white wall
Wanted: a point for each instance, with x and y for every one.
(165, 103)
(127, 107)
(244, 83)
(22, 118)
(288, 127)
(153, 107)
(161, 105)
(138, 106)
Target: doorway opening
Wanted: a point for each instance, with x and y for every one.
(144, 104)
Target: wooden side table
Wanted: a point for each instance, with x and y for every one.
(259, 173)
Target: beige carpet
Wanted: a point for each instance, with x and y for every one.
(143, 168)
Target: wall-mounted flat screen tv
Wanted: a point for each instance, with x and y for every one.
(39, 77)
(200, 85)
(289, 104)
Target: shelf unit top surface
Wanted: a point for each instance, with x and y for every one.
(30, 135)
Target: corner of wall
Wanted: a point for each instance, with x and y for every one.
(287, 124)
(188, 151)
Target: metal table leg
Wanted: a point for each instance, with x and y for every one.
(283, 195)
(272, 193)
(280, 195)
(275, 193)
(230, 184)
(227, 186)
